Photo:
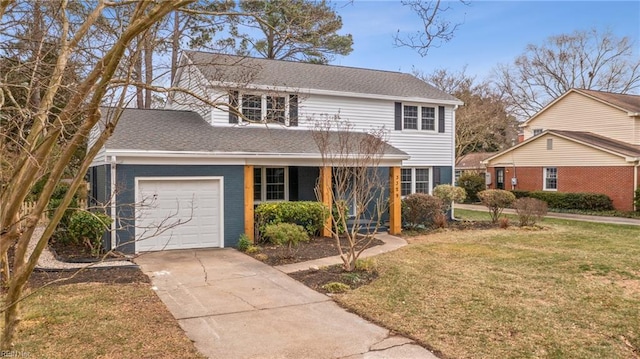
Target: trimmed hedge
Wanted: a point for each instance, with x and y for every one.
(566, 200)
(420, 210)
(308, 214)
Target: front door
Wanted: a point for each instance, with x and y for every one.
(499, 177)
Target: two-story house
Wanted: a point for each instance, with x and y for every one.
(242, 133)
(584, 141)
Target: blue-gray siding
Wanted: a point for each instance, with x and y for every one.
(233, 197)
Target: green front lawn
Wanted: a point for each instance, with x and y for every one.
(570, 290)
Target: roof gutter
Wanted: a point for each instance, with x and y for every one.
(229, 155)
(218, 84)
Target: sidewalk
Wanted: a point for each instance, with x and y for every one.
(390, 243)
(569, 216)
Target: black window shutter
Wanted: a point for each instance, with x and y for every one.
(293, 110)
(436, 176)
(441, 119)
(233, 106)
(398, 116)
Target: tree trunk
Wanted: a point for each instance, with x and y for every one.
(11, 314)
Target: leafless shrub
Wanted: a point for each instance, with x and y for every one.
(530, 210)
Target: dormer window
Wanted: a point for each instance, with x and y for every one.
(263, 108)
(537, 131)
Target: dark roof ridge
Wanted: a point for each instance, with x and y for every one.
(297, 62)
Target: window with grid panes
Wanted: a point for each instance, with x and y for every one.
(276, 109)
(405, 181)
(422, 180)
(252, 107)
(274, 184)
(410, 117)
(428, 118)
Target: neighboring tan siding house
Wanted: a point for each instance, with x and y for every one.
(584, 141)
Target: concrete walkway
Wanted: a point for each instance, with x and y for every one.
(569, 216)
(390, 243)
(233, 306)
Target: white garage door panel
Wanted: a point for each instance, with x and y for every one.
(193, 203)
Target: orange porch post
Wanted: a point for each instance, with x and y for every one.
(249, 228)
(395, 215)
(326, 193)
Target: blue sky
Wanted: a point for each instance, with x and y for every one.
(492, 32)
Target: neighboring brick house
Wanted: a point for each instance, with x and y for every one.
(584, 141)
(472, 163)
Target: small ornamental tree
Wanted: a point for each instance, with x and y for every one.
(357, 186)
(496, 200)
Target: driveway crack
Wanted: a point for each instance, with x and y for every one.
(204, 269)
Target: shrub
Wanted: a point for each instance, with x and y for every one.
(336, 287)
(56, 198)
(496, 200)
(288, 234)
(440, 220)
(448, 193)
(636, 200)
(366, 265)
(87, 228)
(472, 184)
(504, 222)
(244, 243)
(530, 210)
(252, 249)
(568, 200)
(420, 209)
(520, 193)
(308, 214)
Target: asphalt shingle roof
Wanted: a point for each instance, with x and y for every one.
(299, 75)
(603, 142)
(171, 130)
(630, 103)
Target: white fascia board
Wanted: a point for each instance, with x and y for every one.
(310, 91)
(227, 157)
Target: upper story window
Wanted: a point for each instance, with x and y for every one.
(419, 118)
(410, 117)
(264, 108)
(252, 107)
(537, 131)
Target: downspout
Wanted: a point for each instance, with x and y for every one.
(635, 183)
(112, 163)
(453, 154)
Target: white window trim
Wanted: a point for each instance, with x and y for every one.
(263, 185)
(263, 108)
(419, 129)
(544, 180)
(413, 179)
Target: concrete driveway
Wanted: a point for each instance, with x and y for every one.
(233, 306)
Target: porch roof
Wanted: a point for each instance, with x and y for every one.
(186, 131)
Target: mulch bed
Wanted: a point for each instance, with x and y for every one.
(115, 275)
(317, 247)
(316, 279)
(77, 253)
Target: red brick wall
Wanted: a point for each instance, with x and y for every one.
(615, 182)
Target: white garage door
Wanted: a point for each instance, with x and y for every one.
(178, 213)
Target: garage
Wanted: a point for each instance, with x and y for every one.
(178, 213)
